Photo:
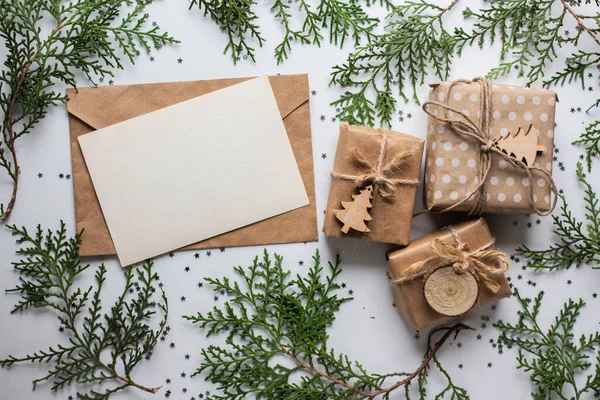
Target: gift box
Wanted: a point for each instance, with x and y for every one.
(500, 135)
(447, 273)
(373, 185)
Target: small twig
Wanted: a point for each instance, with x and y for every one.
(371, 395)
(129, 381)
(580, 22)
(10, 126)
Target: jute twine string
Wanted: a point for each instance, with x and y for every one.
(378, 175)
(481, 133)
(484, 263)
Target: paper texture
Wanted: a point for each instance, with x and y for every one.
(392, 217)
(146, 170)
(409, 297)
(98, 107)
(451, 162)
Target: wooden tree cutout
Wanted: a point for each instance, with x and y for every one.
(522, 146)
(355, 212)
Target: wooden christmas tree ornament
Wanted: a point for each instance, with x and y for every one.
(521, 145)
(449, 293)
(356, 212)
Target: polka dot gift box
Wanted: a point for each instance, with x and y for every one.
(489, 148)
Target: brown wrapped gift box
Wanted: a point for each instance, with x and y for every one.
(392, 216)
(451, 162)
(409, 297)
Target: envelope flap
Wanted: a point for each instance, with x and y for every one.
(100, 107)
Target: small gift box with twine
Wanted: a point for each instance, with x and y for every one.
(447, 273)
(373, 185)
(489, 148)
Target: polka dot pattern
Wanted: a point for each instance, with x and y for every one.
(452, 161)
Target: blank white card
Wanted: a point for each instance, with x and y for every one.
(193, 170)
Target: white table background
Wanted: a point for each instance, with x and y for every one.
(368, 329)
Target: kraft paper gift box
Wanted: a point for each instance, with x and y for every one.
(390, 162)
(98, 107)
(409, 288)
(453, 167)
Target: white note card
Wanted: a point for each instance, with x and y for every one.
(193, 170)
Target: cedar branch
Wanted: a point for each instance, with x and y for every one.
(129, 382)
(371, 395)
(580, 22)
(10, 126)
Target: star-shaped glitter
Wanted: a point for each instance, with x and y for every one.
(179, 60)
(209, 253)
(182, 298)
(314, 92)
(300, 262)
(322, 118)
(40, 175)
(200, 285)
(323, 156)
(196, 255)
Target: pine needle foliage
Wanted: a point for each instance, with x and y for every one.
(301, 22)
(554, 358)
(93, 37)
(271, 316)
(414, 45)
(590, 139)
(577, 243)
(101, 343)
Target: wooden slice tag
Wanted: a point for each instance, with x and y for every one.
(449, 293)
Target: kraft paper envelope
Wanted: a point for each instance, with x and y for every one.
(98, 107)
(151, 195)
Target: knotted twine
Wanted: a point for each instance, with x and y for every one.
(378, 175)
(482, 263)
(481, 133)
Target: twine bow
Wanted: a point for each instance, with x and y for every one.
(378, 175)
(483, 263)
(481, 134)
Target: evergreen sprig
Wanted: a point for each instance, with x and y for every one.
(272, 314)
(415, 44)
(48, 268)
(554, 358)
(591, 140)
(341, 19)
(90, 36)
(577, 243)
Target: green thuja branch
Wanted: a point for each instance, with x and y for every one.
(577, 243)
(90, 36)
(591, 140)
(554, 358)
(415, 43)
(339, 18)
(104, 346)
(272, 314)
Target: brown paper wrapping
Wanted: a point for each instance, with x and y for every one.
(450, 166)
(98, 107)
(392, 217)
(409, 297)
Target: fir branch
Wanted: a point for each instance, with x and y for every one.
(554, 359)
(87, 36)
(414, 45)
(270, 313)
(340, 18)
(577, 244)
(48, 266)
(591, 140)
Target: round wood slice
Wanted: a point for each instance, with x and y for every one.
(449, 293)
